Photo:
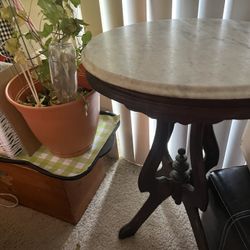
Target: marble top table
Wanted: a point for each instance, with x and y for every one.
(188, 58)
(190, 71)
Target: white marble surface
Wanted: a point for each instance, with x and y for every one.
(181, 58)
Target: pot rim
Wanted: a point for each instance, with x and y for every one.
(15, 103)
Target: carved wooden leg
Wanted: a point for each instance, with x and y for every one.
(194, 218)
(200, 195)
(147, 209)
(161, 184)
(163, 132)
(166, 159)
(198, 198)
(158, 188)
(210, 147)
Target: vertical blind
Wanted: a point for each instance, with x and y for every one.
(137, 131)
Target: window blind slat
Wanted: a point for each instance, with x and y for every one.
(239, 10)
(185, 9)
(133, 11)
(124, 133)
(91, 15)
(234, 155)
(140, 131)
(211, 8)
(160, 9)
(222, 130)
(111, 14)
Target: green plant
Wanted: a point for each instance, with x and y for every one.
(58, 25)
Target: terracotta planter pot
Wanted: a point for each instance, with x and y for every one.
(64, 129)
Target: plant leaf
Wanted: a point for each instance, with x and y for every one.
(59, 2)
(47, 43)
(68, 9)
(20, 21)
(29, 36)
(43, 72)
(20, 57)
(12, 45)
(70, 27)
(75, 2)
(86, 38)
(47, 30)
(81, 22)
(51, 10)
(7, 13)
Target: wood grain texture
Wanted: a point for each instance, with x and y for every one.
(63, 199)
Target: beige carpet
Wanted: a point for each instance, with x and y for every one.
(115, 203)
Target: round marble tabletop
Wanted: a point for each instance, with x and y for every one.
(193, 58)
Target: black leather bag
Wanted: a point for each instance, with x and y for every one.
(227, 219)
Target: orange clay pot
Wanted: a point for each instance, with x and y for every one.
(64, 129)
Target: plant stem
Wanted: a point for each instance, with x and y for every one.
(19, 30)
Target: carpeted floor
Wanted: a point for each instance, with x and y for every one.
(115, 203)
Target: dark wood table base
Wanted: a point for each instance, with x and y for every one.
(175, 178)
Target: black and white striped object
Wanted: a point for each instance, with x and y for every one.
(5, 34)
(10, 144)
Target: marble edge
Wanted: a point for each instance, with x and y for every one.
(175, 91)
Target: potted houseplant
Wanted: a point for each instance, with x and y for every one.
(58, 104)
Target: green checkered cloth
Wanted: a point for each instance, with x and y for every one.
(68, 167)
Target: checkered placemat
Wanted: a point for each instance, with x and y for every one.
(68, 167)
(5, 34)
